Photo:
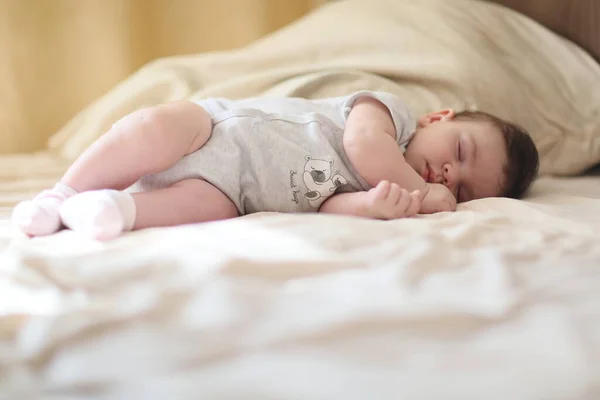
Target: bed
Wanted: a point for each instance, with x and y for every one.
(500, 300)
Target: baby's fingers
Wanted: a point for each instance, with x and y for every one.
(382, 190)
(394, 194)
(415, 203)
(404, 202)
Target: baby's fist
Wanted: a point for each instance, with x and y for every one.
(389, 201)
(438, 199)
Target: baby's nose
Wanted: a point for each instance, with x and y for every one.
(447, 175)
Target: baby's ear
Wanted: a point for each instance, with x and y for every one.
(446, 114)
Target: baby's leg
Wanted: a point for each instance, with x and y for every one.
(144, 142)
(104, 214)
(147, 141)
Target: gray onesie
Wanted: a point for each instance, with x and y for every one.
(279, 154)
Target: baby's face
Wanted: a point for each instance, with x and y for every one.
(465, 155)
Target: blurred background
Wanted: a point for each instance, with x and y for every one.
(57, 56)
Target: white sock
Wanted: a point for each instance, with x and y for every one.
(99, 214)
(40, 216)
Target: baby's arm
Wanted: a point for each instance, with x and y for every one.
(385, 201)
(370, 143)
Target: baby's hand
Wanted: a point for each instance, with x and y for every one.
(389, 201)
(438, 199)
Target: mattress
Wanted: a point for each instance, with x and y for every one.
(498, 300)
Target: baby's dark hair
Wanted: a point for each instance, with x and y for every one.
(523, 161)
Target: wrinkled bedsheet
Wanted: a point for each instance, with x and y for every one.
(500, 300)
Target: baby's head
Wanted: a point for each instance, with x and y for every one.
(474, 154)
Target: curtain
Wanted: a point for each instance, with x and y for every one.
(57, 56)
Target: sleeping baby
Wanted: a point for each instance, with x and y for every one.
(359, 155)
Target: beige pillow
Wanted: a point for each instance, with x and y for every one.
(433, 53)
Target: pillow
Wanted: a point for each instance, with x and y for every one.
(433, 53)
(577, 20)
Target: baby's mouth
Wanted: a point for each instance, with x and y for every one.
(426, 174)
(429, 175)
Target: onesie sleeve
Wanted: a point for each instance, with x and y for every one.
(404, 122)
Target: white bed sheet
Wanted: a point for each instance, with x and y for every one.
(500, 300)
